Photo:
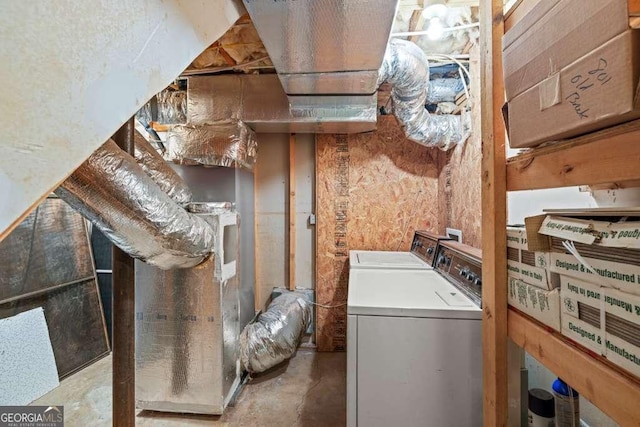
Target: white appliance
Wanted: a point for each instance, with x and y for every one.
(414, 345)
(421, 256)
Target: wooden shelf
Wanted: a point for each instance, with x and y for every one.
(614, 391)
(608, 156)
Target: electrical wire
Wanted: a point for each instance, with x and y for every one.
(425, 32)
(327, 306)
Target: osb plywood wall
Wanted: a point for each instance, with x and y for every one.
(460, 175)
(373, 191)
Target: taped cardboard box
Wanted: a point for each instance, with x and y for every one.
(543, 305)
(618, 234)
(625, 277)
(554, 34)
(594, 92)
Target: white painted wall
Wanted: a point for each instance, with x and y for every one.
(305, 175)
(271, 176)
(272, 213)
(74, 71)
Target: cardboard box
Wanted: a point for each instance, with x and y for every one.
(574, 291)
(619, 350)
(589, 231)
(594, 92)
(582, 333)
(536, 275)
(543, 305)
(516, 237)
(554, 34)
(623, 354)
(625, 277)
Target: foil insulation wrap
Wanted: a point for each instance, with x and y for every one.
(159, 170)
(275, 336)
(406, 68)
(325, 46)
(260, 102)
(228, 143)
(167, 107)
(113, 192)
(187, 348)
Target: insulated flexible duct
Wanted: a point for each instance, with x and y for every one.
(275, 336)
(159, 170)
(406, 68)
(113, 192)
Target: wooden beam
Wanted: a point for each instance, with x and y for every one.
(610, 155)
(494, 210)
(123, 317)
(634, 7)
(612, 390)
(292, 212)
(226, 56)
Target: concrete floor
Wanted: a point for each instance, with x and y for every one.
(307, 391)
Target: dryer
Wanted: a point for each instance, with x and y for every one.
(414, 343)
(421, 256)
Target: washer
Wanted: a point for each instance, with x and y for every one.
(414, 343)
(421, 256)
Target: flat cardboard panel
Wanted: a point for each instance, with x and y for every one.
(550, 38)
(373, 191)
(596, 91)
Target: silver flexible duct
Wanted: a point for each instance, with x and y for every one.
(113, 192)
(406, 68)
(275, 336)
(159, 170)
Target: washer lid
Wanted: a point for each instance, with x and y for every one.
(386, 259)
(407, 293)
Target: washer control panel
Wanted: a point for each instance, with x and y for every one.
(425, 245)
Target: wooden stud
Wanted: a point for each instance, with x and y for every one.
(256, 286)
(612, 390)
(494, 269)
(226, 56)
(292, 212)
(597, 158)
(416, 22)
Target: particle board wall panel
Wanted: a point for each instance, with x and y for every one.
(373, 191)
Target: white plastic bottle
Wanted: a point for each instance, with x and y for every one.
(567, 404)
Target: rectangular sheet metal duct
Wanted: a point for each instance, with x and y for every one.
(260, 101)
(325, 46)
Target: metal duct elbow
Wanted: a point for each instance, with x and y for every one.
(113, 192)
(159, 170)
(275, 336)
(406, 68)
